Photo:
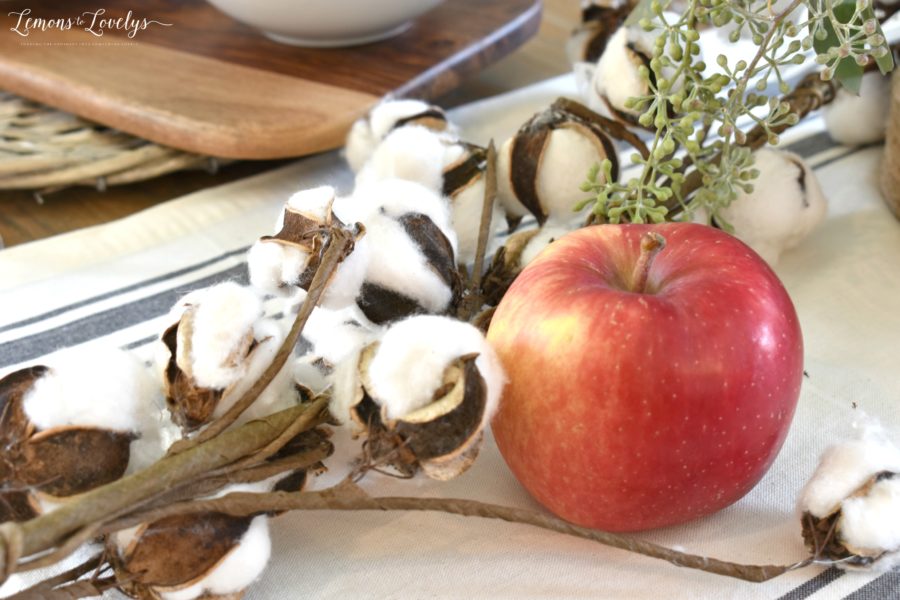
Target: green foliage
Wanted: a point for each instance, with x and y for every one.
(699, 159)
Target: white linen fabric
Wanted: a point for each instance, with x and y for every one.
(112, 284)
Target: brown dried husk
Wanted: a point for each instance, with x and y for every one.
(432, 118)
(55, 462)
(175, 552)
(443, 437)
(465, 172)
(598, 24)
(822, 535)
(530, 143)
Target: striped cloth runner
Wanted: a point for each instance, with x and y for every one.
(110, 285)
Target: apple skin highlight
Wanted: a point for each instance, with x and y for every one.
(628, 411)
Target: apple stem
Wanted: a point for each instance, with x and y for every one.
(651, 245)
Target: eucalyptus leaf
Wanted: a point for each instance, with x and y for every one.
(846, 71)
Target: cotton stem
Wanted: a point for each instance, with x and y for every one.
(348, 496)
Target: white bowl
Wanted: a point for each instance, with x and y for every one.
(326, 23)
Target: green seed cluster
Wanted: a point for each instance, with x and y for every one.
(700, 116)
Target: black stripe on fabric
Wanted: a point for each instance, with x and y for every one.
(123, 290)
(843, 155)
(811, 586)
(885, 587)
(109, 321)
(808, 146)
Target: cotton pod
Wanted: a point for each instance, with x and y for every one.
(541, 168)
(600, 19)
(197, 555)
(854, 120)
(786, 204)
(218, 347)
(851, 505)
(427, 390)
(69, 427)
(616, 77)
(443, 164)
(289, 259)
(367, 133)
(412, 268)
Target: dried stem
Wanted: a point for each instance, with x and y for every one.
(338, 243)
(348, 496)
(613, 128)
(43, 588)
(474, 297)
(103, 504)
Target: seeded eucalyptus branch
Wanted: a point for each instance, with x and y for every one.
(700, 157)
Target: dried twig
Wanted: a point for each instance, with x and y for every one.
(348, 496)
(474, 297)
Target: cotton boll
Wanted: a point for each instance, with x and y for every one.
(241, 567)
(845, 467)
(616, 77)
(855, 120)
(410, 153)
(784, 207)
(103, 388)
(568, 156)
(543, 166)
(220, 330)
(345, 388)
(873, 520)
(367, 133)
(413, 251)
(851, 505)
(336, 334)
(411, 358)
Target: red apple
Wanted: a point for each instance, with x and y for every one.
(635, 406)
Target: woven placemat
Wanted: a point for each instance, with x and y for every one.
(43, 150)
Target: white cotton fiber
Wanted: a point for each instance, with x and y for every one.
(396, 262)
(411, 153)
(360, 144)
(396, 197)
(106, 388)
(240, 567)
(274, 267)
(347, 280)
(399, 265)
(385, 115)
(786, 204)
(221, 323)
(336, 334)
(278, 395)
(465, 210)
(872, 521)
(368, 132)
(568, 156)
(314, 203)
(847, 466)
(855, 120)
(409, 365)
(345, 387)
(616, 77)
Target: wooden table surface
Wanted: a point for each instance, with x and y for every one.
(23, 218)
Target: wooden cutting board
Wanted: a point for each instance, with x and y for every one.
(210, 85)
